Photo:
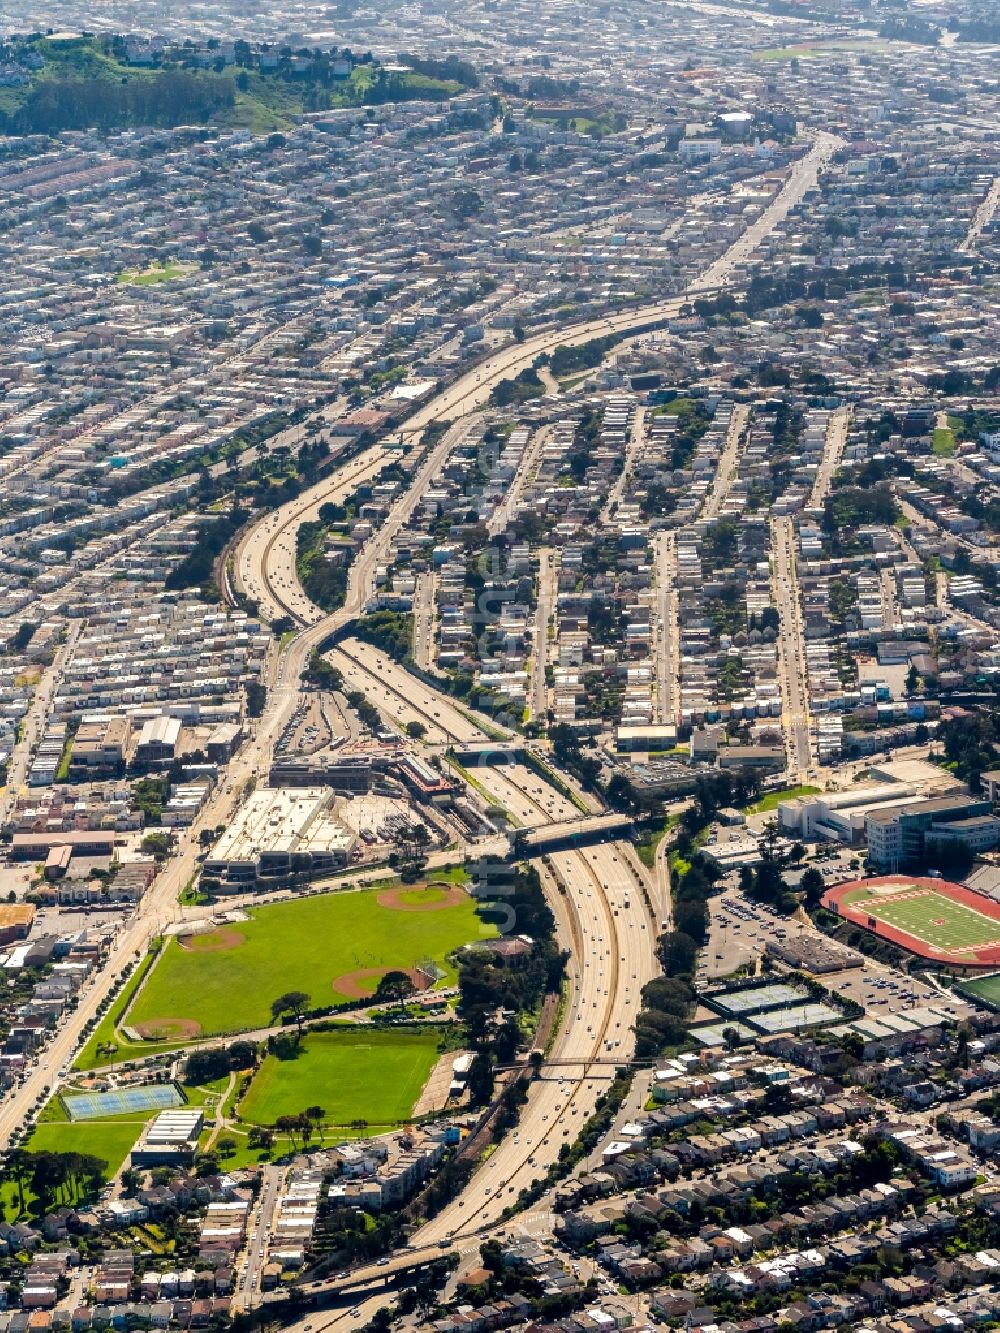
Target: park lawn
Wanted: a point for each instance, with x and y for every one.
(154, 274)
(774, 798)
(646, 850)
(302, 945)
(110, 1139)
(354, 1075)
(674, 408)
(942, 442)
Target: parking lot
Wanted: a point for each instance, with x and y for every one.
(740, 930)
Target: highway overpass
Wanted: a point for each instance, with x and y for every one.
(567, 834)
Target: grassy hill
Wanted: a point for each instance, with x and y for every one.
(87, 82)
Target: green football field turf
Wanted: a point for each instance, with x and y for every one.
(355, 1075)
(988, 988)
(301, 945)
(929, 917)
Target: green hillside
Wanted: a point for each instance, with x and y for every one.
(87, 82)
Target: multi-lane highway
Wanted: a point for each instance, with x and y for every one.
(602, 885)
(264, 563)
(472, 389)
(603, 904)
(611, 936)
(403, 698)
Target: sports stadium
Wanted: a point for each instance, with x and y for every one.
(933, 918)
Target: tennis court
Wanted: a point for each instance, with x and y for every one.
(121, 1101)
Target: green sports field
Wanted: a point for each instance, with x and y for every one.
(354, 1075)
(988, 988)
(929, 916)
(333, 947)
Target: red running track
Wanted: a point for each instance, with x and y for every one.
(986, 956)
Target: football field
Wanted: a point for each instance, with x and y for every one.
(932, 917)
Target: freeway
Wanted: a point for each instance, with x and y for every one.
(614, 955)
(264, 563)
(407, 699)
(612, 933)
(472, 389)
(611, 976)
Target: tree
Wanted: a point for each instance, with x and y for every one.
(394, 988)
(19, 1171)
(416, 730)
(158, 845)
(294, 1002)
(678, 953)
(812, 885)
(131, 1180)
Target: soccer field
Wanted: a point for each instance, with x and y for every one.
(930, 917)
(354, 1075)
(987, 988)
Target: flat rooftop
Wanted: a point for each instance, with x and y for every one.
(282, 819)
